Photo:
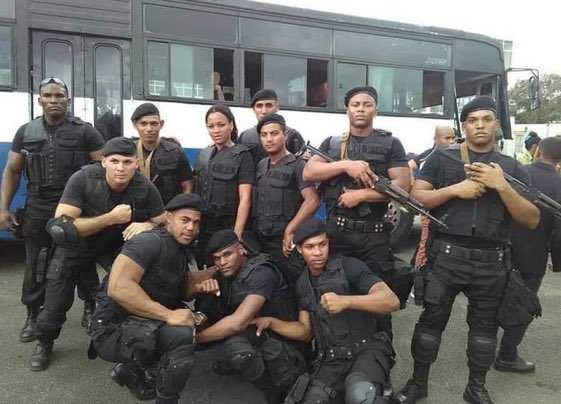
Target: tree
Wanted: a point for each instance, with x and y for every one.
(550, 110)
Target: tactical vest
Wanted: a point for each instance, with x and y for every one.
(217, 180)
(236, 290)
(164, 281)
(374, 149)
(52, 158)
(276, 197)
(342, 329)
(99, 194)
(485, 217)
(166, 162)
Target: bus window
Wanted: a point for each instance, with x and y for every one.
(6, 59)
(470, 84)
(298, 82)
(190, 71)
(403, 91)
(108, 91)
(57, 60)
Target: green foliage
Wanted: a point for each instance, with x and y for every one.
(550, 110)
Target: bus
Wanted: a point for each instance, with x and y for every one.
(185, 55)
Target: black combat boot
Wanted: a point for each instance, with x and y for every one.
(27, 333)
(518, 365)
(411, 392)
(89, 308)
(41, 357)
(134, 378)
(475, 392)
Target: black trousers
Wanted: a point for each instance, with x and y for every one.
(482, 279)
(67, 269)
(513, 336)
(33, 289)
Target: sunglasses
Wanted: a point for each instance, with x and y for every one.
(55, 80)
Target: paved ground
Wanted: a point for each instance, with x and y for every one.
(72, 378)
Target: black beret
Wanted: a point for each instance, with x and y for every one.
(182, 201)
(310, 228)
(357, 90)
(119, 145)
(264, 94)
(220, 240)
(144, 109)
(531, 139)
(271, 118)
(477, 104)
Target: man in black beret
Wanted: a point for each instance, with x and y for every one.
(141, 322)
(250, 286)
(282, 199)
(48, 164)
(478, 205)
(263, 103)
(340, 301)
(355, 210)
(107, 203)
(160, 159)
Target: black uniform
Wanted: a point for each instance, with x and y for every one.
(88, 190)
(118, 336)
(530, 248)
(361, 232)
(276, 200)
(353, 354)
(250, 137)
(218, 175)
(169, 167)
(268, 361)
(52, 155)
(468, 257)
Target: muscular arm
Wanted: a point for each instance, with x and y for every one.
(300, 330)
(234, 323)
(124, 288)
(10, 181)
(317, 169)
(523, 212)
(399, 176)
(86, 225)
(380, 299)
(244, 207)
(306, 211)
(431, 198)
(194, 279)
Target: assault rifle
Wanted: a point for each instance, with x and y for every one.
(383, 184)
(535, 196)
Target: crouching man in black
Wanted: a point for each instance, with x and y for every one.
(140, 322)
(340, 299)
(250, 286)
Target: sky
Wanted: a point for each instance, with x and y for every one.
(530, 25)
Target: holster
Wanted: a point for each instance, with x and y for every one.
(298, 390)
(519, 305)
(42, 264)
(138, 338)
(419, 285)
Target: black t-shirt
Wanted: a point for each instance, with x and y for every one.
(144, 249)
(360, 278)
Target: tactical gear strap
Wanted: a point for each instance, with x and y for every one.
(345, 139)
(464, 152)
(144, 164)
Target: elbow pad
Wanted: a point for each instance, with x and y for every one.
(63, 232)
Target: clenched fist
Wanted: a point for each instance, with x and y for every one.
(334, 303)
(121, 214)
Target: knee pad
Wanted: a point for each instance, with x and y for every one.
(249, 364)
(481, 351)
(319, 393)
(360, 390)
(283, 362)
(424, 346)
(174, 369)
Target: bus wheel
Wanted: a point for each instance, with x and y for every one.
(401, 220)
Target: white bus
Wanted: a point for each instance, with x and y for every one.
(116, 54)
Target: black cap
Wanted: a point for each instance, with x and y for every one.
(310, 228)
(184, 201)
(144, 109)
(119, 145)
(271, 118)
(477, 104)
(363, 89)
(264, 94)
(531, 139)
(220, 240)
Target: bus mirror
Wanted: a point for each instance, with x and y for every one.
(534, 92)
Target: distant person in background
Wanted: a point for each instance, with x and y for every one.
(443, 136)
(531, 142)
(263, 103)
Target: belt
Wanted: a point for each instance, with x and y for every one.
(475, 254)
(348, 352)
(344, 223)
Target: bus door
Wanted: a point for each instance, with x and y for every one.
(95, 69)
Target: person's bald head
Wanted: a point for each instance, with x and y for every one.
(444, 136)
